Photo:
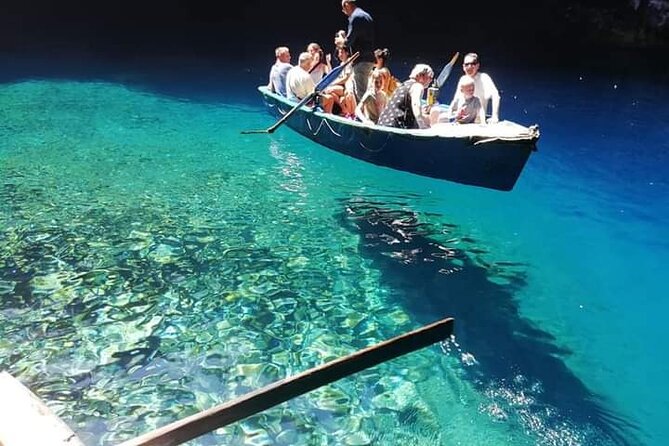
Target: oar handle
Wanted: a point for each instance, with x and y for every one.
(286, 389)
(285, 117)
(253, 132)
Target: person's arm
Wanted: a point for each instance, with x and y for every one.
(416, 94)
(456, 95)
(290, 87)
(309, 85)
(357, 28)
(491, 89)
(270, 84)
(495, 110)
(340, 38)
(481, 114)
(347, 39)
(342, 78)
(328, 63)
(315, 62)
(360, 112)
(453, 109)
(461, 114)
(351, 34)
(346, 75)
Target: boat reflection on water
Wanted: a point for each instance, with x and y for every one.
(513, 356)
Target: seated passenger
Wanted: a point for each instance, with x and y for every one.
(277, 75)
(298, 82)
(341, 88)
(373, 101)
(340, 38)
(484, 89)
(300, 85)
(381, 59)
(465, 109)
(404, 109)
(390, 82)
(320, 65)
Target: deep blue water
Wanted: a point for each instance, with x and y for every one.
(132, 183)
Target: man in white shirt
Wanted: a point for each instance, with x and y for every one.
(299, 83)
(484, 87)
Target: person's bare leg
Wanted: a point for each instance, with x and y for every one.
(327, 102)
(434, 116)
(348, 104)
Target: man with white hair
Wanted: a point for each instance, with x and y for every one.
(299, 83)
(404, 109)
(277, 75)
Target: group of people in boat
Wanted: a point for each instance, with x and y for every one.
(367, 91)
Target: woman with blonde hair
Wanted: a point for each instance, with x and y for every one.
(373, 101)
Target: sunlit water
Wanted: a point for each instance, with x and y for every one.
(154, 262)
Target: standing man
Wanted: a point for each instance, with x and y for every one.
(360, 38)
(277, 75)
(484, 87)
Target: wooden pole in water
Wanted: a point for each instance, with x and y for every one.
(26, 420)
(281, 391)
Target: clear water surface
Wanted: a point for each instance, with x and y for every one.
(154, 262)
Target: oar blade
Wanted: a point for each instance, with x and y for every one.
(446, 71)
(334, 73)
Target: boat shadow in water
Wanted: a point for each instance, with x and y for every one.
(434, 278)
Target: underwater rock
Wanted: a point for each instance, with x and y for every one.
(357, 439)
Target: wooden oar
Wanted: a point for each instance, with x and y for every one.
(446, 71)
(288, 388)
(322, 85)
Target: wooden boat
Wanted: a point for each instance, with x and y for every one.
(490, 156)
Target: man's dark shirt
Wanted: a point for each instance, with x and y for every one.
(360, 36)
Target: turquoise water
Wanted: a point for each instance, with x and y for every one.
(154, 262)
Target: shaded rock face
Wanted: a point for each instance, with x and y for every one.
(653, 17)
(212, 28)
(626, 23)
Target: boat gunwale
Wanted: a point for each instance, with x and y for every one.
(532, 135)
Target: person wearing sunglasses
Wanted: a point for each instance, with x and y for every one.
(484, 87)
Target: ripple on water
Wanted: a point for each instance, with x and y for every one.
(160, 265)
